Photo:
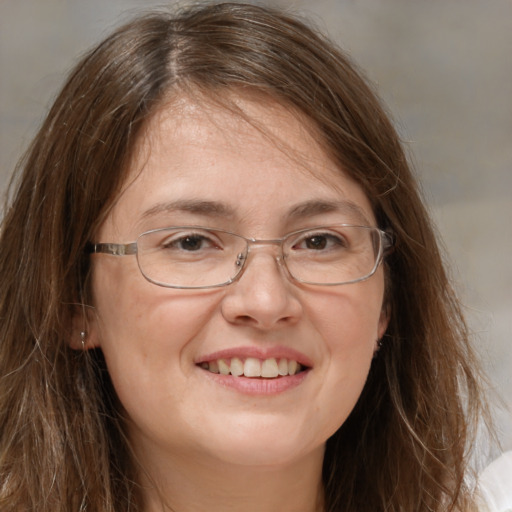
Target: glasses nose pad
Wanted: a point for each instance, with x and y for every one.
(240, 260)
(242, 257)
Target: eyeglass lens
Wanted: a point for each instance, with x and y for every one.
(191, 257)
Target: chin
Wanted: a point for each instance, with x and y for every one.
(263, 443)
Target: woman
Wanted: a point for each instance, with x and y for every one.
(221, 289)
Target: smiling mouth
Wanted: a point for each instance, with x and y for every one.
(254, 368)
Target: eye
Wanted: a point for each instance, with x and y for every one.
(320, 242)
(190, 242)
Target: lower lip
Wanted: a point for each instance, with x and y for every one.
(255, 385)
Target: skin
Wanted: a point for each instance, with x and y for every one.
(203, 445)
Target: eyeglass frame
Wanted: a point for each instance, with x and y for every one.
(386, 246)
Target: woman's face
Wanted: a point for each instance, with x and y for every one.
(201, 165)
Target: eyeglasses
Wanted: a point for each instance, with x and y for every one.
(199, 257)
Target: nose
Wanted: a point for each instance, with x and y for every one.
(263, 296)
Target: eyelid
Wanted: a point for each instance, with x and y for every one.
(320, 231)
(173, 236)
(323, 229)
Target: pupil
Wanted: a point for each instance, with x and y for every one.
(316, 242)
(191, 243)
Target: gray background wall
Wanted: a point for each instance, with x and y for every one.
(444, 67)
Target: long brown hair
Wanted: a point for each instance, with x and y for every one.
(404, 447)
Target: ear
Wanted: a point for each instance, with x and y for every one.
(385, 315)
(84, 330)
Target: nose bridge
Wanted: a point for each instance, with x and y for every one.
(270, 247)
(262, 296)
(258, 251)
(254, 243)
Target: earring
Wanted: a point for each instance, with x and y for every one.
(83, 338)
(378, 346)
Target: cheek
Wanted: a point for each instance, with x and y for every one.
(348, 321)
(349, 341)
(143, 329)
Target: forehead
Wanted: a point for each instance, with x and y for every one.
(245, 154)
(229, 117)
(237, 124)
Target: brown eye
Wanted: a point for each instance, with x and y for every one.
(190, 243)
(316, 242)
(320, 242)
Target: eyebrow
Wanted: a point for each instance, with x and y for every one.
(321, 206)
(197, 206)
(303, 210)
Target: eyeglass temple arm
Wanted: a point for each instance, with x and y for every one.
(114, 249)
(389, 241)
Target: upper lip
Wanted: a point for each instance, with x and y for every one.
(244, 352)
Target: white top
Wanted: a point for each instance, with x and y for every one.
(495, 485)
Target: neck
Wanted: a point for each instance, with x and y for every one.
(189, 484)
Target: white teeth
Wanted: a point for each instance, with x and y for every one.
(252, 367)
(269, 369)
(283, 366)
(237, 367)
(223, 367)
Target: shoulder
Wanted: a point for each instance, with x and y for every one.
(495, 484)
